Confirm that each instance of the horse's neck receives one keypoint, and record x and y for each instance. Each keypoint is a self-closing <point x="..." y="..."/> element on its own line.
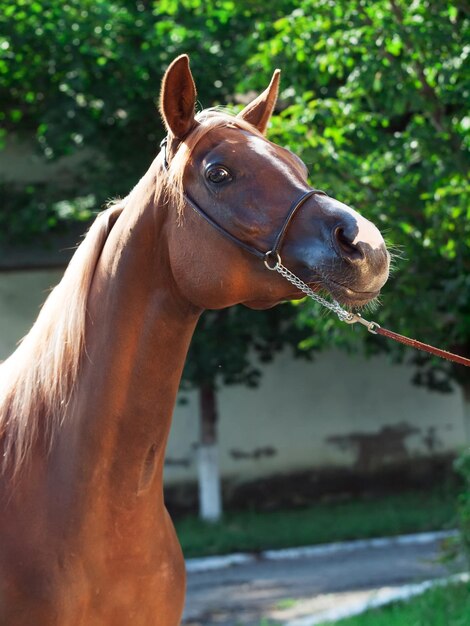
<point x="137" y="340"/>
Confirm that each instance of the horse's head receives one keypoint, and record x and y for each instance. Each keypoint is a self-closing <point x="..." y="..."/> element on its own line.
<point x="251" y="196"/>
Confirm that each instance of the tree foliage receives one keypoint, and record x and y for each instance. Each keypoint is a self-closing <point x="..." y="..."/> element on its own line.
<point x="377" y="98"/>
<point x="226" y="342"/>
<point x="82" y="77"/>
<point x="374" y="97"/>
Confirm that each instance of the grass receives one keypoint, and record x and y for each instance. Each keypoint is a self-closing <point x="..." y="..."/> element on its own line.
<point x="251" y="531"/>
<point x="441" y="606"/>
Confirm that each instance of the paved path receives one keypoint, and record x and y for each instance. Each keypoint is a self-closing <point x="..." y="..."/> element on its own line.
<point x="284" y="591"/>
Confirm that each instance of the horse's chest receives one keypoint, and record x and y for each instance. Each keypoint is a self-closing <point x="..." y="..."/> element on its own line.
<point x="114" y="570"/>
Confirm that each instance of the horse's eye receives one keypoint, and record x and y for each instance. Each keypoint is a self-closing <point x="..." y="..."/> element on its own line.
<point x="218" y="175"/>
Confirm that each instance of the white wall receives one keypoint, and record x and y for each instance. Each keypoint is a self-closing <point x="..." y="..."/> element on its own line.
<point x="300" y="405"/>
<point x="297" y="408"/>
<point x="21" y="295"/>
<point x="21" y="162"/>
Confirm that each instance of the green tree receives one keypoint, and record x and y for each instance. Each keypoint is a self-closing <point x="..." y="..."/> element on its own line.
<point x="81" y="78"/>
<point x="229" y="348"/>
<point x="377" y="104"/>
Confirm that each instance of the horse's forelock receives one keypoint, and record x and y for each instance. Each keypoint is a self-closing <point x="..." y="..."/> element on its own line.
<point x="208" y="120"/>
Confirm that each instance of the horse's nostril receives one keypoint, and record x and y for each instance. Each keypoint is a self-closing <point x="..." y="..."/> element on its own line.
<point x="346" y="247"/>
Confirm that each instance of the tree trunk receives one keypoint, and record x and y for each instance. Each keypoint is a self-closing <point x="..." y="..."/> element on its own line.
<point x="210" y="492"/>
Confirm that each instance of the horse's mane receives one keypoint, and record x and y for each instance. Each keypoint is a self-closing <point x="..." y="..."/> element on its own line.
<point x="37" y="381"/>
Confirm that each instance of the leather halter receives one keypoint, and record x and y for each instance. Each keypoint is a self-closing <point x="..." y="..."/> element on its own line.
<point x="271" y="255"/>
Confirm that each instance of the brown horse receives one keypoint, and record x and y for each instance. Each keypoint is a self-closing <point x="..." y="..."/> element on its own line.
<point x="87" y="399"/>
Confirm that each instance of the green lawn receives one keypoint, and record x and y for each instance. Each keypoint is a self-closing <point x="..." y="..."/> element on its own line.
<point x="441" y="606"/>
<point x="250" y="531"/>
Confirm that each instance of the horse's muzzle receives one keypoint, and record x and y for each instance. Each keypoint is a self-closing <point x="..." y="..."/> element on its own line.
<point x="342" y="252"/>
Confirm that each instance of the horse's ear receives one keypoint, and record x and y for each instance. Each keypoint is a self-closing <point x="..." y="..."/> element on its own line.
<point x="178" y="97"/>
<point x="260" y="110"/>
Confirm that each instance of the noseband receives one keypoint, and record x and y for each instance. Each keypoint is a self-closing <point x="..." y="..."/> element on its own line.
<point x="271" y="257"/>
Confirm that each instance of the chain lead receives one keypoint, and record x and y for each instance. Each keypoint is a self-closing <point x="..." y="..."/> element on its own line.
<point x="335" y="307"/>
<point x="344" y="316"/>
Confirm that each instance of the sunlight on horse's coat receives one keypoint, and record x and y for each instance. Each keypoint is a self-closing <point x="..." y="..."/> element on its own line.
<point x="87" y="399"/>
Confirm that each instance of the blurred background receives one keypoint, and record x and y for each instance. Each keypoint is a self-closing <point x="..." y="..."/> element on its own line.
<point x="297" y="413"/>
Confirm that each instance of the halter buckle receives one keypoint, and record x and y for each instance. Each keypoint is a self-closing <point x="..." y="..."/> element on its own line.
<point x="164" y="146"/>
<point x="270" y="256"/>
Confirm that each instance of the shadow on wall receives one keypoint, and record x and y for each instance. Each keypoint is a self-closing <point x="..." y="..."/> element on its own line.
<point x="388" y="445"/>
<point x="308" y="488"/>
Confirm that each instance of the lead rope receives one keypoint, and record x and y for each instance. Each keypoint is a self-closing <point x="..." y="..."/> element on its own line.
<point x="354" y="318"/>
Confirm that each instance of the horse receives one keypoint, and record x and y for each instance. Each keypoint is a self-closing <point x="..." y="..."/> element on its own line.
<point x="87" y="397"/>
